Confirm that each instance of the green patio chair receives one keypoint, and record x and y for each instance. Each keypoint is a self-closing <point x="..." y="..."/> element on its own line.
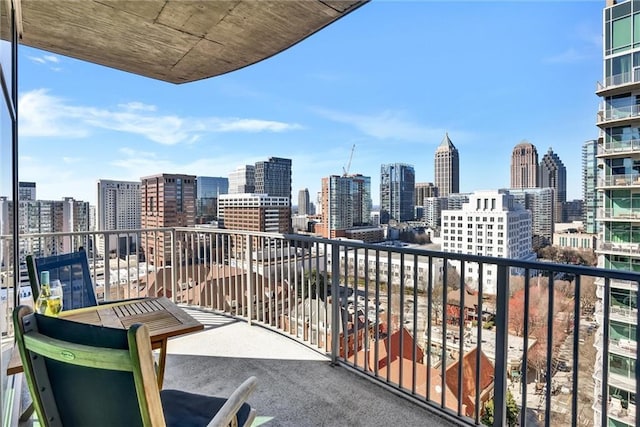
<point x="85" y="375"/>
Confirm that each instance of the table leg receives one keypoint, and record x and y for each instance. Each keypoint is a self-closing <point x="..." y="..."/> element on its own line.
<point x="162" y="362"/>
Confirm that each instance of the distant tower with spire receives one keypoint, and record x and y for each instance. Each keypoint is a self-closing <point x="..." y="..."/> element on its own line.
<point x="447" y="168"/>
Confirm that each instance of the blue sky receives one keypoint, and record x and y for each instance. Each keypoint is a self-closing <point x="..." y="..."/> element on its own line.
<point x="391" y="78"/>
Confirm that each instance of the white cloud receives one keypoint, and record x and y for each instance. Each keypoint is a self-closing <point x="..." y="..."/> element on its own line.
<point x="47" y="60"/>
<point x="253" y="125"/>
<point x="45" y="115"/>
<point x="137" y="106"/>
<point x="569" y="56"/>
<point x="386" y="125"/>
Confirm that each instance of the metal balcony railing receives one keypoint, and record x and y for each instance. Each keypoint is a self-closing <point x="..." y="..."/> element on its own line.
<point x="614" y="147"/>
<point x="619" y="79"/>
<point x="622" y="248"/>
<point x="607" y="113"/>
<point x="348" y="301"/>
<point x="621" y="180"/>
<point x="617" y="213"/>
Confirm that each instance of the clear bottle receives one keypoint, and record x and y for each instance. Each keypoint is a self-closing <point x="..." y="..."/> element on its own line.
<point x="45" y="293"/>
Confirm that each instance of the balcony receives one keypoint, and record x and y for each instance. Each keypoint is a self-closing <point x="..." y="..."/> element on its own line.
<point x="618" y="248"/>
<point x="618" y="148"/>
<point x="621" y="180"/>
<point x="328" y="319"/>
<point x="619" y="214"/>
<point x="609" y="116"/>
<point x="619" y="83"/>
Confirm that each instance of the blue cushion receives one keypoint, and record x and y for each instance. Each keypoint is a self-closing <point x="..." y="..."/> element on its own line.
<point x="182" y="409"/>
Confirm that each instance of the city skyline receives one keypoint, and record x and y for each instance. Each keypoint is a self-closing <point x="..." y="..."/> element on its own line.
<point x="358" y="82"/>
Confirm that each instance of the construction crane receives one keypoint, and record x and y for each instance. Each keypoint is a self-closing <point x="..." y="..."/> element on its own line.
<point x="345" y="171"/>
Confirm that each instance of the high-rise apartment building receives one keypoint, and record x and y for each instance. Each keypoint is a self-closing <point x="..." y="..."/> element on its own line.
<point x="447" y="168"/>
<point x="304" y="203"/>
<point x="424" y="190"/>
<point x="455" y="200"/>
<point x="346" y="203"/>
<point x="490" y="224"/>
<point x="242" y="180"/>
<point x="397" y="192"/>
<point x="541" y="203"/>
<point x="167" y="200"/>
<point x="118" y="208"/>
<point x="47" y="216"/>
<point x="591" y="201"/>
<point x="26" y="191"/>
<point x="619" y="218"/>
<point x="431" y="211"/>
<point x="208" y="188"/>
<point x="524" y="166"/>
<point x="553" y="174"/>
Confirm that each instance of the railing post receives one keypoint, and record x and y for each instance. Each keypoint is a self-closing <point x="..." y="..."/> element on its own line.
<point x="107" y="271"/>
<point x="335" y="301"/>
<point x="174" y="267"/>
<point x="250" y="278"/>
<point x="502" y="327"/>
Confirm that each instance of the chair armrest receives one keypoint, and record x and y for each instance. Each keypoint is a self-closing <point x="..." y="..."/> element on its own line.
<point x="228" y="411"/>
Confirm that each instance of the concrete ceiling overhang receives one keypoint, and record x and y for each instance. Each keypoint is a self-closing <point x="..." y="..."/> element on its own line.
<point x="176" y="41"/>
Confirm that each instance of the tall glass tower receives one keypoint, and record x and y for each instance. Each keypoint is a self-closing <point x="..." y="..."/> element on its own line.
<point x="397" y="192"/>
<point x="619" y="185"/>
<point x="589" y="184"/>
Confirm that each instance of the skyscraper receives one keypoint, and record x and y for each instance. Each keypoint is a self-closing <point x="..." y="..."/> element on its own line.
<point x="26" y="191"/>
<point x="167" y="200"/>
<point x="273" y="177"/>
<point x="118" y="208"/>
<point x="337" y="206"/>
<point x="346" y="203"/>
<point x="447" y="168"/>
<point x="541" y="203"/>
<point x="424" y="190"/>
<point x="589" y="184"/>
<point x="552" y="173"/>
<point x="208" y="188"/>
<point x="524" y="166"/>
<point x="397" y="192"/>
<point x="619" y="219"/>
<point x="242" y="180"/>
<point x="303" y="202"/>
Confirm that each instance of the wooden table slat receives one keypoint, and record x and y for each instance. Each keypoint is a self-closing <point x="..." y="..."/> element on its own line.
<point x="163" y="318"/>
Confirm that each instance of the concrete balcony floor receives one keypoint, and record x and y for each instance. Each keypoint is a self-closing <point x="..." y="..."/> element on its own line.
<point x="296" y="385"/>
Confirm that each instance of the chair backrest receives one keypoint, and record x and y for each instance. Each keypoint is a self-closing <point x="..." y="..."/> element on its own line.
<point x="72" y="269"/>
<point x="85" y="375"/>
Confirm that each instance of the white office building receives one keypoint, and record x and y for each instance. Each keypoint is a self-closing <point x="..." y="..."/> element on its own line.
<point x="490" y="224"/>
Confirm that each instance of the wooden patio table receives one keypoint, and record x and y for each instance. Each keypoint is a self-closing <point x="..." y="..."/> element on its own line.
<point x="163" y="318"/>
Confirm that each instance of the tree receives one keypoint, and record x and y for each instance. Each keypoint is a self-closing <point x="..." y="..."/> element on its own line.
<point x="313" y="285"/>
<point x="512" y="412"/>
<point x="516" y="313"/>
